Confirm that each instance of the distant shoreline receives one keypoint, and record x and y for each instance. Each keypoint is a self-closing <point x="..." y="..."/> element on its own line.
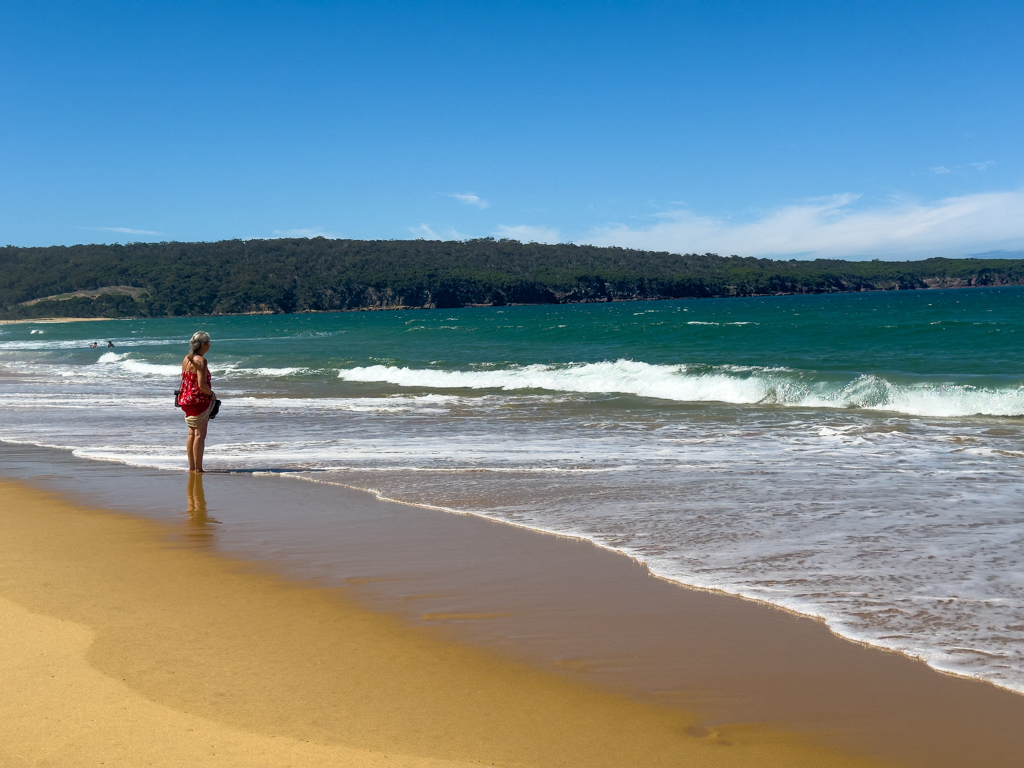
<point x="60" y="320"/>
<point x="408" y="308"/>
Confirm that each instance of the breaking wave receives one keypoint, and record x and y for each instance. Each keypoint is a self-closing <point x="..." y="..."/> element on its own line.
<point x="724" y="384"/>
<point x="124" y="362"/>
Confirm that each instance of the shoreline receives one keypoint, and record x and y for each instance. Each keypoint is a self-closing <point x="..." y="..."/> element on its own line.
<point x="638" y="560"/>
<point x="46" y="320"/>
<point x="564" y="607"/>
<point x="610" y="300"/>
<point x="675" y="582"/>
<point x="182" y="639"/>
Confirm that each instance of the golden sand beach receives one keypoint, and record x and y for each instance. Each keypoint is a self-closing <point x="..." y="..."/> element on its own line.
<point x="121" y="647"/>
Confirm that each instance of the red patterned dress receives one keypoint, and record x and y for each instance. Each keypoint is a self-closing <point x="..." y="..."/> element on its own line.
<point x="193" y="401"/>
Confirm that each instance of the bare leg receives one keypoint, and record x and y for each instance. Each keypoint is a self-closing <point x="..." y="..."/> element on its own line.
<point x="190" y="448"/>
<point x="199" y="445"/>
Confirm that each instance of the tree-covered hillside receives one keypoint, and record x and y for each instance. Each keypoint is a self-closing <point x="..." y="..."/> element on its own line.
<point x="236" y="276"/>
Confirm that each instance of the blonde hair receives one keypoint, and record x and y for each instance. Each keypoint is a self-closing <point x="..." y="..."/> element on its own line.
<point x="198" y="339"/>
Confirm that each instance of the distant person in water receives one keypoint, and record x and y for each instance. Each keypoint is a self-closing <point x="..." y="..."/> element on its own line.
<point x="93" y="345"/>
<point x="110" y="345"/>
<point x="197" y="398"/>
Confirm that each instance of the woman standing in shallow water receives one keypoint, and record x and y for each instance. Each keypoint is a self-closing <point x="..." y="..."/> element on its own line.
<point x="197" y="398"/>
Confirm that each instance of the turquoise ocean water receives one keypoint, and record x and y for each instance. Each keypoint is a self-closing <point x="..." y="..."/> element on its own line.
<point x="857" y="457"/>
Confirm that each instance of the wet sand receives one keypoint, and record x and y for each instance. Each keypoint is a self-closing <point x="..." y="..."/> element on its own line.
<point x="581" y="615"/>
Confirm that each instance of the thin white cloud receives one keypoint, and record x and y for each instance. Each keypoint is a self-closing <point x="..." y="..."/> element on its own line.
<point x="126" y="230"/>
<point x="834" y="228"/>
<point x="304" y="232"/>
<point x="424" y="232"/>
<point x="958" y="169"/>
<point x="524" y="233"/>
<point x="470" y="199"/>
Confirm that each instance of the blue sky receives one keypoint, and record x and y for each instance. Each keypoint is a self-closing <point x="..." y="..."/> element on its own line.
<point x="865" y="130"/>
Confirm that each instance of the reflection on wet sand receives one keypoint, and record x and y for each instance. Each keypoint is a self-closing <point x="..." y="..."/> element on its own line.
<point x="198" y="531"/>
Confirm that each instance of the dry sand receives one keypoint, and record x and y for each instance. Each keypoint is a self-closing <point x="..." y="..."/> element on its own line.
<point x="120" y="647"/>
<point x="58" y="710"/>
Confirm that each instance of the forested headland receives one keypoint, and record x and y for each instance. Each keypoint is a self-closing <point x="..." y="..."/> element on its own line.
<point x="320" y="275"/>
